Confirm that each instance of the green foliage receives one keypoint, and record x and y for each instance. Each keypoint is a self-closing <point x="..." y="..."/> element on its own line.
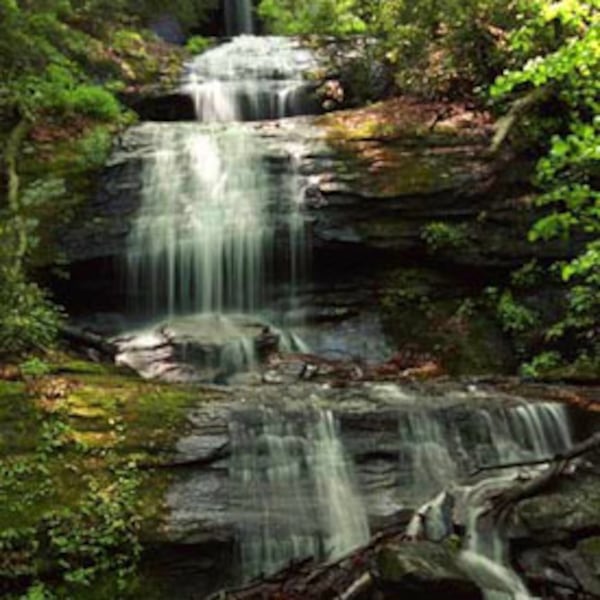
<point x="557" y="51"/>
<point x="529" y="275"/>
<point x="97" y="534"/>
<point x="514" y="317"/>
<point x="198" y="44"/>
<point x="541" y="364"/>
<point x="101" y="534"/>
<point x="38" y="591"/>
<point x="438" y="47"/>
<point x="439" y="235"/>
<point x="29" y="321"/>
<point x="335" y="17"/>
<point x="94" y="148"/>
<point x="34" y="367"/>
<point x="60" y="91"/>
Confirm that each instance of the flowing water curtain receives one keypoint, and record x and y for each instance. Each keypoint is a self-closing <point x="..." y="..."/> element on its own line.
<point x="293" y="494"/>
<point x="438" y="447"/>
<point x="445" y="447"/>
<point x="251" y="79"/>
<point x="203" y="234"/>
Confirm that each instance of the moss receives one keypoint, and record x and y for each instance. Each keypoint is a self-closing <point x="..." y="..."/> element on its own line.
<point x="50" y="448"/>
<point x="590" y="547"/>
<point x="19" y="419"/>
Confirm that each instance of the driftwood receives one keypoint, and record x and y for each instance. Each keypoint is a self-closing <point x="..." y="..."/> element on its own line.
<point x="520" y="491"/>
<point x="519" y="108"/>
<point x="343" y="579"/>
<point x="586" y="446"/>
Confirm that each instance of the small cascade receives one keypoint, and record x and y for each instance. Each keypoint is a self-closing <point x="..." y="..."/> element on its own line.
<point x="250" y="79"/>
<point x="447" y="451"/>
<point x="293" y="489"/>
<point x="442" y="446"/>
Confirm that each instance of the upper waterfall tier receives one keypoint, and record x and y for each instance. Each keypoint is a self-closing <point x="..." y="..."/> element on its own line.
<point x="250" y="79"/>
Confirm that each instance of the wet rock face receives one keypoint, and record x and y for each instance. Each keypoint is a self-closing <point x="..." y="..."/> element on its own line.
<point x="556" y="538"/>
<point x="197" y="348"/>
<point x="572" y="510"/>
<point x="405" y="444"/>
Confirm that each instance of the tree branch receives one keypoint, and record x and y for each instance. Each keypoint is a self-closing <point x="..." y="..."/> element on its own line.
<point x="539" y="483"/>
<point x="588" y="445"/>
<point x="523" y="105"/>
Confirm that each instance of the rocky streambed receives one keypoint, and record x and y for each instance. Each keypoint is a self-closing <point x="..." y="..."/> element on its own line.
<point x="247" y="489"/>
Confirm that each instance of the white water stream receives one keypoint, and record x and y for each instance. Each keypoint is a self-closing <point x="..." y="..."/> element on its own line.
<point x="238" y="17"/>
<point x="521" y="433"/>
<point x="294" y="490"/>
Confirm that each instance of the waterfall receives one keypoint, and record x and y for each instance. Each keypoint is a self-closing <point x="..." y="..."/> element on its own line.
<point x="203" y="234"/>
<point x="204" y="237"/>
<point x="294" y="494"/>
<point x="238" y="17"/>
<point x="441" y="446"/>
<point x="250" y="79"/>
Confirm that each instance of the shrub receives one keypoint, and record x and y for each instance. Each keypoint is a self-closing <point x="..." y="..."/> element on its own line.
<point x="541" y="364"/>
<point x="28" y="319"/>
<point x="198" y="44"/>
<point x="34" y="367"/>
<point x="515" y="317"/>
<point x="94" y="148"/>
<point x="443" y="236"/>
<point x="93" y="101"/>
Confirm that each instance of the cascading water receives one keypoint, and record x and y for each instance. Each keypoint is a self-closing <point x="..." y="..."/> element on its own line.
<point x="438" y="447"/>
<point x="294" y="494"/>
<point x="210" y="234"/>
<point x="250" y="79"/>
<point x="204" y="233"/>
<point x="446" y="453"/>
<point x="201" y="239"/>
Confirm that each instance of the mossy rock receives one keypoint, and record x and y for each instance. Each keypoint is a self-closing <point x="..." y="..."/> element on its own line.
<point x="110" y="421"/>
<point x="563" y="514"/>
<point x="420" y="570"/>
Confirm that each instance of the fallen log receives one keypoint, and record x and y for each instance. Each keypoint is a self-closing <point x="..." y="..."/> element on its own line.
<point x="343" y="579"/>
<point x="85" y="341"/>
<point x="584" y="447"/>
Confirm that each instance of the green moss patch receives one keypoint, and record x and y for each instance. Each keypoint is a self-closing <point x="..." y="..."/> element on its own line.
<point x="76" y="491"/>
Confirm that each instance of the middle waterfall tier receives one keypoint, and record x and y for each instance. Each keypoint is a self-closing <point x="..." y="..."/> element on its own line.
<point x="211" y="210"/>
<point x="294" y="494"/>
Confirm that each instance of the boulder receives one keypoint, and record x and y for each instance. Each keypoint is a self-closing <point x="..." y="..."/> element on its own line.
<point x="422" y="570"/>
